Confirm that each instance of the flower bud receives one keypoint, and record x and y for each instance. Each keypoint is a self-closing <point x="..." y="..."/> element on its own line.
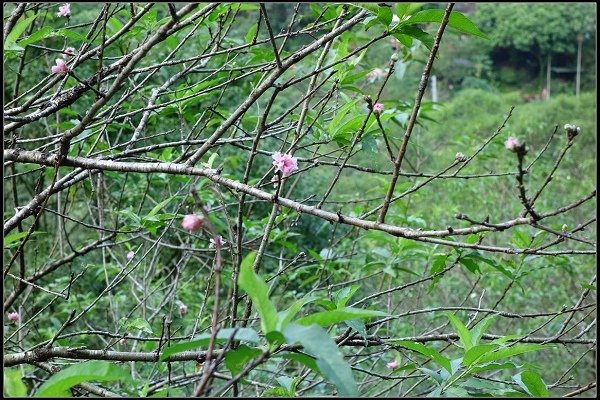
<point x="460" y="157"/>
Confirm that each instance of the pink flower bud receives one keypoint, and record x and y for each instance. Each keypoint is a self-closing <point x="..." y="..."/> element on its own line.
<point x="392" y="365"/>
<point x="378" y="108"/>
<point x="512" y="143"/>
<point x="192" y="222"/>
<point x="60" y="67"/>
<point x="130" y="255"/>
<point x="13" y="316"/>
<point x="70" y="51"/>
<point x="64" y="10"/>
<point x="285" y="163"/>
<point x="183" y="308"/>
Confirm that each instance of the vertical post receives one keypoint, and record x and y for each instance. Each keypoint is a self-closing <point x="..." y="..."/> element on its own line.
<point x="434" y="93"/>
<point x="578" y="77"/>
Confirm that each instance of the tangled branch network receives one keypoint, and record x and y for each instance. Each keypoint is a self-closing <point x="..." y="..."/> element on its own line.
<point x="149" y="148"/>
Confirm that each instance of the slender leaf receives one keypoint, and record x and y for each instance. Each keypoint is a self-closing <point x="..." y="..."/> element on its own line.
<point x="513" y="351"/>
<point x="461" y="329"/>
<point x="427" y="351"/>
<point x="456" y="20"/>
<point x="330" y="360"/>
<point x="325" y="318"/>
<point x="243" y="334"/>
<point x="258" y="291"/>
<point x="532" y="383"/>
<point x="89" y="371"/>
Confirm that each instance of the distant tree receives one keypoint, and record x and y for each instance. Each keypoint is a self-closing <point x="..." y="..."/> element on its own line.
<point x="543" y="31"/>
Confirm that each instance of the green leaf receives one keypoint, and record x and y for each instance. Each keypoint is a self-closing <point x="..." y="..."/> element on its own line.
<point x="17" y="31"/>
<point x="258" y="291"/>
<point x="330" y="360"/>
<point x="71" y="34"/>
<point x="42" y="33"/>
<point x="457" y="21"/>
<point x="13" y="384"/>
<point x="325" y="318"/>
<point x="477" y="351"/>
<point x="17" y="236"/>
<point x="480" y="328"/>
<point x="513" y="351"/>
<point x="413" y="32"/>
<point x="401" y="9"/>
<point x="159" y="206"/>
<point x="470" y="264"/>
<point x="384" y="15"/>
<point x="461" y="329"/>
<point x="139" y="324"/>
<point x="420" y="348"/>
<point x="475" y="255"/>
<point x="532" y="383"/>
<point x="343" y="295"/>
<point x="438" y="266"/>
<point x="223" y="336"/>
<point x="308" y="361"/>
<point x="359" y="326"/>
<point x="236" y="359"/>
<point x="286" y="316"/>
<point x="89" y="371"/>
<point x="341" y="113"/>
<point x="493" y="367"/>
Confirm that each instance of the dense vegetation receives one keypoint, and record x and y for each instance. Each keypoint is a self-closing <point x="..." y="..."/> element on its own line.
<point x="155" y="243"/>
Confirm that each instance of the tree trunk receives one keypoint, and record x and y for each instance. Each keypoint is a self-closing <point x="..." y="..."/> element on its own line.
<point x="548" y="72"/>
<point x="578" y="78"/>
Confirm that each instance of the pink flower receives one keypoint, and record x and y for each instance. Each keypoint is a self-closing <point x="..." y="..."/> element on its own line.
<point x="13" y="316"/>
<point x="285" y="163"/>
<point x="192" y="222"/>
<point x="64" y="10"/>
<point x="392" y="365"/>
<point x="512" y="143"/>
<point x="60" y="67"/>
<point x="220" y="241"/>
<point x="70" y="51"/>
<point x="130" y="255"/>
<point x="378" y="108"/>
<point x="183" y="308"/>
